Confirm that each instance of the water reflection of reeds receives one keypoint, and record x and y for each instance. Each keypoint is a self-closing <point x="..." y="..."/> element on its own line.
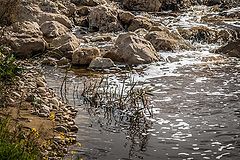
<point x="123" y="107"/>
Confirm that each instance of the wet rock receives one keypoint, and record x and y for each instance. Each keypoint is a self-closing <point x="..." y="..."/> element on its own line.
<point x="101" y="38"/>
<point x="101" y="63"/>
<point x="84" y="56"/>
<point x="140" y="22"/>
<point x="232" y="49"/>
<point x="199" y="34"/>
<point x="61" y="129"/>
<point x="103" y="19"/>
<point x="74" y="128"/>
<point x="176" y="5"/>
<point x="125" y="17"/>
<point x="24" y="38"/>
<point x="131" y="49"/>
<point x="164" y="40"/>
<point x="53" y="29"/>
<point x="206" y="34"/>
<point x="88" y="2"/>
<point x="143" y="5"/>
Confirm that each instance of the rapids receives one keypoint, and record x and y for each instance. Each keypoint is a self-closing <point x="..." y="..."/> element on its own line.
<point x="196" y="104"/>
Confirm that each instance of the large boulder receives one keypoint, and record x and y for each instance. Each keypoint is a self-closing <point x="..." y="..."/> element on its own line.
<point x="143" y="5"/>
<point x="24" y="38"/>
<point x="60" y="39"/>
<point x="140" y="22"/>
<point x="84" y="56"/>
<point x="131" y="49"/>
<point x="125" y="17"/>
<point x="103" y="19"/>
<point x="34" y="11"/>
<point x="165" y="40"/>
<point x="64" y="45"/>
<point x="53" y="29"/>
<point x="232" y="49"/>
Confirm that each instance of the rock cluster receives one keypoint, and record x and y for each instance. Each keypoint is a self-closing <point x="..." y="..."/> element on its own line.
<point x="32" y="89"/>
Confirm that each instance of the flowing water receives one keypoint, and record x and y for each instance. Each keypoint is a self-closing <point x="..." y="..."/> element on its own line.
<point x="196" y="106"/>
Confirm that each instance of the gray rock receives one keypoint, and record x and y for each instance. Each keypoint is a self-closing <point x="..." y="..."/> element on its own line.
<point x="132" y="49"/>
<point x="61" y="129"/>
<point x="74" y="128"/>
<point x="101" y="63"/>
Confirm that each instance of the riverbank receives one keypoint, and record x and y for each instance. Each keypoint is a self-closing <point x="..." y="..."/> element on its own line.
<point x="27" y="101"/>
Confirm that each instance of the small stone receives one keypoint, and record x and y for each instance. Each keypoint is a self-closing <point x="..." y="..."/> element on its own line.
<point x="71" y="123"/>
<point x="16" y="94"/>
<point x="30" y="98"/>
<point x="61" y="129"/>
<point x="74" y="128"/>
<point x="101" y="63"/>
<point x="63" y="61"/>
<point x="43" y="115"/>
<point x="49" y="61"/>
<point x="11" y="100"/>
<point x="45" y="109"/>
<point x="42" y="90"/>
<point x="40" y="83"/>
<point x="54" y="101"/>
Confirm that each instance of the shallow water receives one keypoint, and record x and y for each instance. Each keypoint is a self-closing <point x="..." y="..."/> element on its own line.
<point x="196" y="106"/>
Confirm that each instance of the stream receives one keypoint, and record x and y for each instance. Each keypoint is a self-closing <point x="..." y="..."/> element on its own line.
<point x="196" y="105"/>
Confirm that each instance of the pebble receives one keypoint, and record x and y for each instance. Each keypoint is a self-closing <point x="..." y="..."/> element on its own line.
<point x="43" y="115"/>
<point x="40" y="83"/>
<point x="42" y="90"/>
<point x="74" y="128"/>
<point x="55" y="102"/>
<point x="61" y="129"/>
<point x="16" y="94"/>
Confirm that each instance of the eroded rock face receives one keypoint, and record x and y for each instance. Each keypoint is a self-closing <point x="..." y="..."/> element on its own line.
<point x="103" y="19"/>
<point x="143" y="5"/>
<point x="164" y="40"/>
<point x="84" y="56"/>
<point x="24" y="38"/>
<point x="131" y="49"/>
<point x="232" y="49"/>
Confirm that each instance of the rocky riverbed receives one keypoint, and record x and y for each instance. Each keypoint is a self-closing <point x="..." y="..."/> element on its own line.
<point x="166" y="42"/>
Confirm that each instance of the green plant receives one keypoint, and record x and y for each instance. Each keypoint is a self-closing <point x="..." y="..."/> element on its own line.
<point x="9" y="69"/>
<point x="16" y="144"/>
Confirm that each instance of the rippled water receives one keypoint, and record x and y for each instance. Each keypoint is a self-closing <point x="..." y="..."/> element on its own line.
<point x="196" y="108"/>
